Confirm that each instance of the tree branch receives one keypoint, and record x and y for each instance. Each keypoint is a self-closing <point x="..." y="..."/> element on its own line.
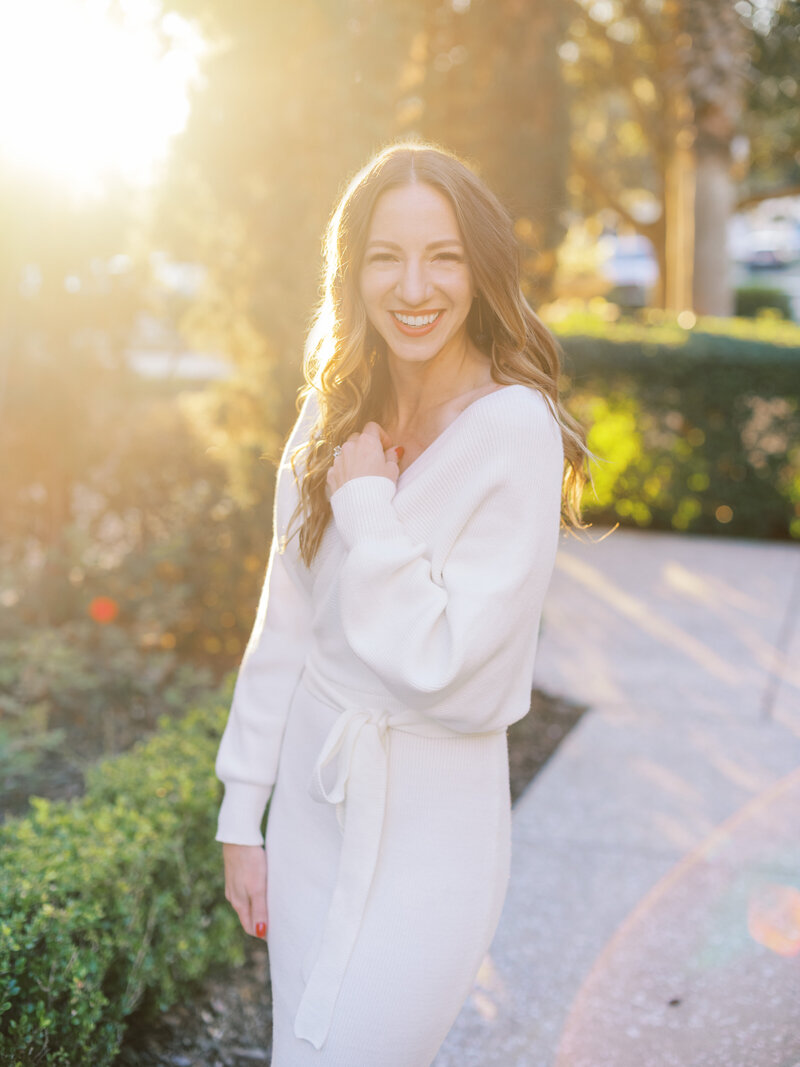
<point x="608" y="197"/>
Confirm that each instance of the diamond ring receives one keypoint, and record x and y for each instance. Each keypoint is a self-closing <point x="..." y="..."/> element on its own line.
<point x="336" y="450"/>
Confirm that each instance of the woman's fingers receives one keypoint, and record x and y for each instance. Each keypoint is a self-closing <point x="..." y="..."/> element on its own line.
<point x="258" y="903"/>
<point x="246" y="886"/>
<point x="259" y="916"/>
<point x="370" y="452"/>
<point x="256" y="889"/>
<point x="376" y="429"/>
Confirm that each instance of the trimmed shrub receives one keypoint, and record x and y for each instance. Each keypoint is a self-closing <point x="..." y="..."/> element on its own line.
<point x="752" y="299"/>
<point x="114" y="901"/>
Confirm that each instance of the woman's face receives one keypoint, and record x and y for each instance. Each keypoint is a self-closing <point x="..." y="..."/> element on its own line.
<point x="415" y="281"/>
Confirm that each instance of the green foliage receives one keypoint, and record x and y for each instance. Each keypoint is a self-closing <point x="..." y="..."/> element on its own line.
<point x="72" y="694"/>
<point x="753" y="299"/>
<point x="146" y="596"/>
<point x="250" y="200"/>
<point x="697" y="432"/>
<point x="771" y="121"/>
<point x="599" y="318"/>
<point x="114" y="901"/>
<point x="151" y="526"/>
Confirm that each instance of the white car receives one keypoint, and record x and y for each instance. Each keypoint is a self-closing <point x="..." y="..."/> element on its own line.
<point x="768" y="248"/>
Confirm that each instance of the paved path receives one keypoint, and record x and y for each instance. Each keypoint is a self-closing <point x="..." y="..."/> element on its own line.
<point x="653" y="914"/>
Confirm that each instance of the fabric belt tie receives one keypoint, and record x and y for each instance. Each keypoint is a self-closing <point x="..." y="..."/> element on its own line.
<point x="358" y="743"/>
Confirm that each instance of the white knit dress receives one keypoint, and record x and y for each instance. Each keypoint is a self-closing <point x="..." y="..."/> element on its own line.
<point x="371" y="710"/>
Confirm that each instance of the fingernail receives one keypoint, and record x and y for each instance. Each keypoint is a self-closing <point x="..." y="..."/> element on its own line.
<point x="261" y="929"/>
<point x="399" y="450"/>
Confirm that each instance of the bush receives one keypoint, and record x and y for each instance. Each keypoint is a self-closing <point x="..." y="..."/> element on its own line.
<point x="752" y="299"/>
<point x="152" y="535"/>
<point x="140" y="602"/>
<point x="598" y="318"/>
<point x="114" y="901"/>
<point x="72" y="694"/>
<point x="699" y="430"/>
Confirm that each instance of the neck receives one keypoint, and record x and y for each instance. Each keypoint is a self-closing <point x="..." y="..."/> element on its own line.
<point x="418" y="389"/>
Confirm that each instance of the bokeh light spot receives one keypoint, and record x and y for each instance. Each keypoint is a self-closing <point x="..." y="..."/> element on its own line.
<point x="773" y="918"/>
<point x="723" y="513"/>
<point x="103" y="609"/>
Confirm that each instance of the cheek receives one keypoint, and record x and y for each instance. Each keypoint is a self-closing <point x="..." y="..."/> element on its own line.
<point x="458" y="283"/>
<point x="370" y="290"/>
<point x="464" y="293"/>
<point x="469" y="285"/>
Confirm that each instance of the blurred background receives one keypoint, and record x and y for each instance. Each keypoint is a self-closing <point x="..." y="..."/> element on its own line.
<point x="166" y="173"/>
<point x="167" y="169"/>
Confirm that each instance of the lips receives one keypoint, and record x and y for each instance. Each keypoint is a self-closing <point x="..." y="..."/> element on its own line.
<point x="416" y="325"/>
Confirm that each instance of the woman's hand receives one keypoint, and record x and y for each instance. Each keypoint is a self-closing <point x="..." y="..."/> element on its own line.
<point x="370" y="452"/>
<point x="246" y="886"/>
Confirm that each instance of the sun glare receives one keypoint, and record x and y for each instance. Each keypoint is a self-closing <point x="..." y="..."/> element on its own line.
<point x="90" y="90"/>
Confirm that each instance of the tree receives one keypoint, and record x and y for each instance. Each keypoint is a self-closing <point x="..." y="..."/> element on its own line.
<point x="297" y="97"/>
<point x="716" y="65"/>
<point x="772" y="117"/>
<point x="658" y="98"/>
<point x="64" y="320"/>
<point x="485" y="79"/>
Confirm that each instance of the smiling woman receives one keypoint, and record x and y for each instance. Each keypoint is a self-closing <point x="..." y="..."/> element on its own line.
<point x="84" y="95"/>
<point x="394" y="642"/>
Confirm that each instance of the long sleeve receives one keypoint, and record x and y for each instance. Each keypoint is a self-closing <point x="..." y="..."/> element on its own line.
<point x="247" y="759"/>
<point x="428" y="639"/>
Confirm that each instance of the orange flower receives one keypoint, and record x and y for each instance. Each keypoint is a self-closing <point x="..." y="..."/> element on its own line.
<point x="103" y="609"/>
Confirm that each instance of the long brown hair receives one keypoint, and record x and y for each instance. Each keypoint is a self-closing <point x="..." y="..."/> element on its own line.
<point x="344" y="359"/>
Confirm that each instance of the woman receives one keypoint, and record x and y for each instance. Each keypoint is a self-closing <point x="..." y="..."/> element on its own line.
<point x="395" y="639"/>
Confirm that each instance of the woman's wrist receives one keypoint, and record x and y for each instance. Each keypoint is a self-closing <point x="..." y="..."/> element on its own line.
<point x="362" y="508"/>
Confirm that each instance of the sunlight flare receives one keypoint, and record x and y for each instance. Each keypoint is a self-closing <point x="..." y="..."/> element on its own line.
<point x="92" y="90"/>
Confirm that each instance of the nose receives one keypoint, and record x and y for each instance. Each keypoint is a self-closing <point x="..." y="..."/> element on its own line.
<point x="413" y="286"/>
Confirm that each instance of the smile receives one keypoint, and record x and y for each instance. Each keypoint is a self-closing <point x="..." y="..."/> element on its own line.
<point x="416" y="323"/>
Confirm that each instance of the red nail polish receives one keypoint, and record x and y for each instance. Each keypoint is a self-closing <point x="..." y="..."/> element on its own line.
<point x="399" y="450"/>
<point x="261" y="929"/>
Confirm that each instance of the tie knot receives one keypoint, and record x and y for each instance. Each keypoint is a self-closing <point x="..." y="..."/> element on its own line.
<point x="347" y="735"/>
<point x="380" y="719"/>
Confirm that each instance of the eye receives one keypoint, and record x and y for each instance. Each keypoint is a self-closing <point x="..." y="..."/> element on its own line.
<point x="378" y="257"/>
<point x="454" y="257"/>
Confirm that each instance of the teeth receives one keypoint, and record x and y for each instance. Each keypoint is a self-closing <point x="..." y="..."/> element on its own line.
<point x="416" y="320"/>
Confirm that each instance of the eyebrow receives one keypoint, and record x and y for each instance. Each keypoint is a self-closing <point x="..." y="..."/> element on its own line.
<point x="433" y="244"/>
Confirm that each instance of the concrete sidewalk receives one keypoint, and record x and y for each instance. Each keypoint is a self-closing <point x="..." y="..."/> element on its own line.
<point x="653" y="914"/>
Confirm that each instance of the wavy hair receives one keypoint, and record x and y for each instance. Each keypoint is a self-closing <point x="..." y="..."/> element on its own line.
<point x="345" y="357"/>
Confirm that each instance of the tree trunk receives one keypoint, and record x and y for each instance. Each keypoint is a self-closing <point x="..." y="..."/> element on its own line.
<point x="679" y="203"/>
<point x="714" y="200"/>
<point x="503" y="104"/>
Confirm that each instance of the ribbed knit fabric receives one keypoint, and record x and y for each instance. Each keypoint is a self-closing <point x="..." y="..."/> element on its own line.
<point x="373" y="698"/>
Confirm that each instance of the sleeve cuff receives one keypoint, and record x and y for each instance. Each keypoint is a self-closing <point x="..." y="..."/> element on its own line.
<point x="241" y="812"/>
<point x="362" y="507"/>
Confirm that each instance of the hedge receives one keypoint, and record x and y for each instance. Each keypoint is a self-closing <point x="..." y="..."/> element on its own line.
<point x="752" y="300"/>
<point x="696" y="430"/>
<point x="114" y="901"/>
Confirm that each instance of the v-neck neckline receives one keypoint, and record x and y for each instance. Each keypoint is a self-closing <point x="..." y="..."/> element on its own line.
<point x="427" y="451"/>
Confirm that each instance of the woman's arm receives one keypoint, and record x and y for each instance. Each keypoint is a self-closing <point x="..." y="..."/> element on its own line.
<point x="247" y="760"/>
<point x="272" y="663"/>
<point x="425" y="639"/>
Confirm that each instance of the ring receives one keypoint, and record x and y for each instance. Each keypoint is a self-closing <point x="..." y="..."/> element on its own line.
<point x="336" y="450"/>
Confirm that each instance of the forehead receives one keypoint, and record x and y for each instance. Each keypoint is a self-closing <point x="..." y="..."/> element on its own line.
<point x="413" y="211"/>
